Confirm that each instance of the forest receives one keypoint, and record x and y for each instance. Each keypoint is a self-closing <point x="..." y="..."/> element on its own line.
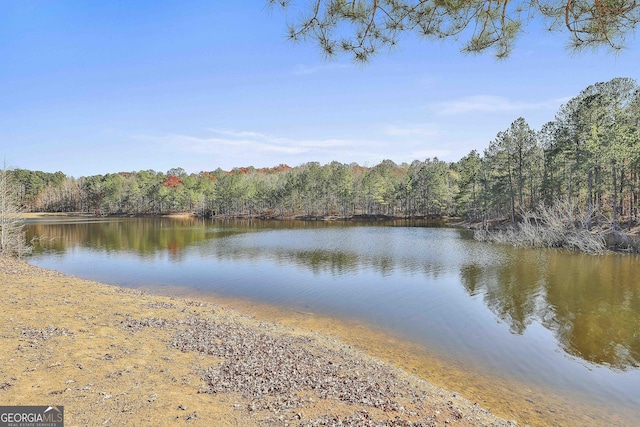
<point x="587" y="158"/>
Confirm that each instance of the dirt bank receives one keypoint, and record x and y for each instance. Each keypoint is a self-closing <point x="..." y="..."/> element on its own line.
<point x="113" y="356"/>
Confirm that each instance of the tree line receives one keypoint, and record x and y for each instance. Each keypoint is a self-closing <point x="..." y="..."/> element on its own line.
<point x="588" y="157"/>
<point x="423" y="188"/>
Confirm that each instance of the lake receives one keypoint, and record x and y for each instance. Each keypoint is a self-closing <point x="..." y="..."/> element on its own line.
<point x="561" y="322"/>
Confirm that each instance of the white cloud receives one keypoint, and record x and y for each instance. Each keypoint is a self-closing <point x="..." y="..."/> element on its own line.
<point x="249" y="135"/>
<point x="427" y="131"/>
<point x="193" y="143"/>
<point x="303" y="70"/>
<point x="234" y="143"/>
<point x="331" y="143"/>
<point x="266" y="148"/>
<point x="228" y="148"/>
<point x="489" y="103"/>
<point x="265" y="142"/>
<point x="427" y="81"/>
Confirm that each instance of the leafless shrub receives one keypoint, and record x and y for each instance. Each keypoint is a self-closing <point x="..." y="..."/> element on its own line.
<point x="554" y="226"/>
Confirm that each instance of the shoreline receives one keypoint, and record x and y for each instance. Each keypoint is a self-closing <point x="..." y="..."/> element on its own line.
<point x="108" y="353"/>
<point x="501" y="231"/>
<point x="185" y="215"/>
<point x="117" y="356"/>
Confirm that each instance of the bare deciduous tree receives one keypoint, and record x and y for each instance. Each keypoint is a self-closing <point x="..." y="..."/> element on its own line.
<point x="12" y="234"/>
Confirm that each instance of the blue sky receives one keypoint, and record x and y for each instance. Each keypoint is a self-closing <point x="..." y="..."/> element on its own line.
<point x="98" y="87"/>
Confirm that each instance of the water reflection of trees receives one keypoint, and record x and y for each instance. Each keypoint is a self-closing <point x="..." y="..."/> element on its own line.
<point x="142" y="236"/>
<point x="147" y="236"/>
<point x="601" y="298"/>
<point x="591" y="304"/>
<point x="335" y="262"/>
<point x="510" y="290"/>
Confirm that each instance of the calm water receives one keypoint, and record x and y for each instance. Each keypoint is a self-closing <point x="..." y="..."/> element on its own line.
<point x="563" y="321"/>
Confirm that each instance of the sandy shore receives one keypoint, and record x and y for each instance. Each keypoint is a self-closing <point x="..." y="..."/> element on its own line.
<point x="114" y="356"/>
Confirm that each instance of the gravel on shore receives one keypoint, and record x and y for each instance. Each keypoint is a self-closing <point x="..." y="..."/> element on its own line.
<point x="115" y="356"/>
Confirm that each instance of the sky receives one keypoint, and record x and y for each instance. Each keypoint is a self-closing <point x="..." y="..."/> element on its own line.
<point x="92" y="88"/>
